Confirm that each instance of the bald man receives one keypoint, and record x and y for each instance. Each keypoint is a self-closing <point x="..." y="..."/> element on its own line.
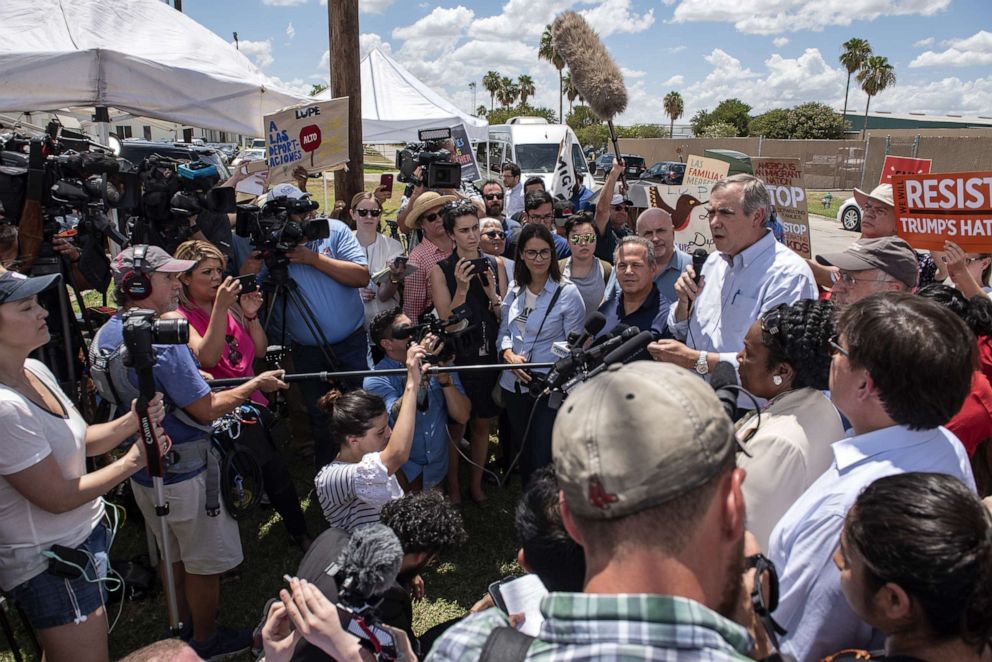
<point x="655" y="225"/>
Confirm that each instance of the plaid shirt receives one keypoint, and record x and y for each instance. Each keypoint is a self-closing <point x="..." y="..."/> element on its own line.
<point x="616" y="628"/>
<point x="417" y="296"/>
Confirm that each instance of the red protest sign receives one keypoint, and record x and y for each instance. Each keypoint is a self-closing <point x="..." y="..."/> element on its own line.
<point x="903" y="165"/>
<point x="932" y="208"/>
<point x="310" y="139"/>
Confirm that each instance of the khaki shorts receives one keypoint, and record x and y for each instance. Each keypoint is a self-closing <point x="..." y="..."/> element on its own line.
<point x="206" y="545"/>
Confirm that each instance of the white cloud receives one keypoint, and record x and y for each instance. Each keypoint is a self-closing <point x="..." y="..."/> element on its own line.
<point x="366" y="42"/>
<point x="290" y="31"/>
<point x="970" y="51"/>
<point x="632" y="73"/>
<point x="938" y="97"/>
<point x="518" y="19"/>
<point x="674" y="81"/>
<point x="777" y="16"/>
<point x="614" y="17"/>
<point x="780" y="41"/>
<point x="436" y="32"/>
<point x="373" y="6"/>
<point x="924" y="43"/>
<point x="283" y="3"/>
<point x="259" y="51"/>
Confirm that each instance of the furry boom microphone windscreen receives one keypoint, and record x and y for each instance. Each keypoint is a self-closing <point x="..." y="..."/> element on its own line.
<point x="595" y="75"/>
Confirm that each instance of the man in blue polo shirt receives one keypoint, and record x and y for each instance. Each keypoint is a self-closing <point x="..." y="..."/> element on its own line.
<point x="656" y="226"/>
<point x="446" y="398"/>
<point x="637" y="301"/>
<point x="327" y="274"/>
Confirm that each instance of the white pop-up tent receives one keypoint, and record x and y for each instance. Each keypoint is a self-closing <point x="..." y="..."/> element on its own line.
<point x="139" y="56"/>
<point x="395" y="104"/>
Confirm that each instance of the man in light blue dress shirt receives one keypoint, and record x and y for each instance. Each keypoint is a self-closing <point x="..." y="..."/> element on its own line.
<point x="890" y="351"/>
<point x="748" y="274"/>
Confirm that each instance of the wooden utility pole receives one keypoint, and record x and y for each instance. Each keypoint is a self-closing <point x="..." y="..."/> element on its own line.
<point x="346" y="81"/>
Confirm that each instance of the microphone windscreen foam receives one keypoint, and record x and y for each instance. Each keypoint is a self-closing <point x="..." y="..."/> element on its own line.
<point x="595" y="75"/>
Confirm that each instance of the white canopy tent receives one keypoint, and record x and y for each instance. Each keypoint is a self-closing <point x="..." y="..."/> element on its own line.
<point x="139" y="56"/>
<point x="395" y="104"/>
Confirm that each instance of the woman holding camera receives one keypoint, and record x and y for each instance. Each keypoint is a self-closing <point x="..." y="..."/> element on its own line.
<point x="915" y="562"/>
<point x="53" y="533"/>
<point x="540" y="309"/>
<point x="226" y="335"/>
<point x="361" y="480"/>
<point x="472" y="280"/>
<point x="381" y="252"/>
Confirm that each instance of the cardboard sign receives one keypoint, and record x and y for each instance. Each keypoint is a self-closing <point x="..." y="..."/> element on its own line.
<point x="703" y="171"/>
<point x="784" y="179"/>
<point x="687" y="206"/>
<point x="314" y="136"/>
<point x="903" y="165"/>
<point x="932" y="208"/>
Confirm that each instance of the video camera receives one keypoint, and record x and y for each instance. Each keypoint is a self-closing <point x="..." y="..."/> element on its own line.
<point x="451" y="333"/>
<point x="270" y="228"/>
<point x="431" y="155"/>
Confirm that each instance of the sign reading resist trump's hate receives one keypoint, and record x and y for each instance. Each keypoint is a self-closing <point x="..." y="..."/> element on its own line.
<point x="933" y="208"/>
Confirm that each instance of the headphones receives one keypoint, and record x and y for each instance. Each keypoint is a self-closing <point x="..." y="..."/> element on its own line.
<point x="137" y="285"/>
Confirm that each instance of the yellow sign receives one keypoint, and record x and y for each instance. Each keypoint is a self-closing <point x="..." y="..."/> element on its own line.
<point x="314" y="136"/>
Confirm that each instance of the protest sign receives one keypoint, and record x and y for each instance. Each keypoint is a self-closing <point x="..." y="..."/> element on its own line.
<point x="314" y="136"/>
<point x="784" y="179"/>
<point x="932" y="208"/>
<point x="462" y="154"/>
<point x="563" y="178"/>
<point x="701" y="170"/>
<point x="687" y="207"/>
<point x="903" y="165"/>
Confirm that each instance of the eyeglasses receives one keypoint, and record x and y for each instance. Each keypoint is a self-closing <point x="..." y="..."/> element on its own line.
<point x="849" y="278"/>
<point x="764" y="594"/>
<point x="365" y="212"/>
<point x="233" y="355"/>
<point x="835" y="345"/>
<point x="431" y="217"/>
<point x="539" y="218"/>
<point x="494" y="234"/>
<point x="579" y="239"/>
<point x="493" y="196"/>
<point x="543" y="254"/>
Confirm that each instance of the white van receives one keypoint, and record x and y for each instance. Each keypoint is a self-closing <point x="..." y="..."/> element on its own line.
<point x="532" y="144"/>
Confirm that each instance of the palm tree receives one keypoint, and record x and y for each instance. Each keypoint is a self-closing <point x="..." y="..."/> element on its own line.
<point x="491" y="82"/>
<point x="481" y="111"/>
<point x="508" y="92"/>
<point x="526" y="85"/>
<point x="674" y="107"/>
<point x="571" y="93"/>
<point x="856" y="51"/>
<point x="546" y="51"/>
<point x="876" y="75"/>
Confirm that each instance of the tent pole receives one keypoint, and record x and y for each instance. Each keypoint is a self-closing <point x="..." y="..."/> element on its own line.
<point x="102" y="118"/>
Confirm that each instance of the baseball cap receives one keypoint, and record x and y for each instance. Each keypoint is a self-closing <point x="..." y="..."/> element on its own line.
<point x="636" y="436"/>
<point x="881" y="193"/>
<point x="618" y="199"/>
<point x="156" y="259"/>
<point x="16" y="286"/>
<point x="889" y="254"/>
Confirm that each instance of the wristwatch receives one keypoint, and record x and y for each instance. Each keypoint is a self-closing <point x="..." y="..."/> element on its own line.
<point x="702" y="366"/>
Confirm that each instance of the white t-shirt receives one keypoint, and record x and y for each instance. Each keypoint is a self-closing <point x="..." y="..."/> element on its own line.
<point x="352" y="493"/>
<point x="379" y="253"/>
<point x="30" y="434"/>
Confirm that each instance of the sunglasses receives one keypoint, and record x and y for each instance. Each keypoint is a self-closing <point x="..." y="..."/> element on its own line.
<point x="233" y="355"/>
<point x="764" y="594"/>
<point x="771" y="322"/>
<point x="494" y="234"/>
<point x="431" y="217"/>
<point x="579" y="239"/>
<point x="365" y="212"/>
<point x="835" y="345"/>
<point x="493" y="196"/>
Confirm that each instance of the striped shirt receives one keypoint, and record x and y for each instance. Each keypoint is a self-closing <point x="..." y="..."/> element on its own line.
<point x="616" y="628"/>
<point x="352" y="493"/>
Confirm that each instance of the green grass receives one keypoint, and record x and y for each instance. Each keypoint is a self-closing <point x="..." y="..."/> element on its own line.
<point x="815" y="202"/>
<point x="453" y="583"/>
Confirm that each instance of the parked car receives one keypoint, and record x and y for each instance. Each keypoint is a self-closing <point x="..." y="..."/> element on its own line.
<point x="665" y="172"/>
<point x="250" y="154"/>
<point x="849" y="215"/>
<point x="634" y="165"/>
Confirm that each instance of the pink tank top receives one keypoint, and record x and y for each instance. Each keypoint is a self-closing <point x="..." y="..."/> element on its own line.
<point x="239" y="350"/>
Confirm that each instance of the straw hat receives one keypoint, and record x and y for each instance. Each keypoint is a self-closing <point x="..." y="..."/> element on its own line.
<point x="426" y="201"/>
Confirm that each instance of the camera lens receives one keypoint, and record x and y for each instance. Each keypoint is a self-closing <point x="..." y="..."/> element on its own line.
<point x="170" y="332"/>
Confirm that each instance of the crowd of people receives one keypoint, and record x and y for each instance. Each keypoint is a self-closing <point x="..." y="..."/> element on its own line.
<point x="830" y="505"/>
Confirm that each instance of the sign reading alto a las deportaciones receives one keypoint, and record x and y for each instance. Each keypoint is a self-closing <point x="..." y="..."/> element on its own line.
<point x="933" y="208"/>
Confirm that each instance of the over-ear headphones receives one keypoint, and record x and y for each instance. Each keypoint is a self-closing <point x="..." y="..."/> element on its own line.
<point x="137" y="285"/>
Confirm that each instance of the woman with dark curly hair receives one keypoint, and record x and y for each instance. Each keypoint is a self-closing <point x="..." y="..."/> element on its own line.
<point x="786" y="360"/>
<point x="915" y="561"/>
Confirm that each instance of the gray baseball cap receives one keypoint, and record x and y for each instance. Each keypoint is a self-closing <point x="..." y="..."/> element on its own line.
<point x="637" y="436"/>
<point x="156" y="259"/>
<point x="889" y="254"/>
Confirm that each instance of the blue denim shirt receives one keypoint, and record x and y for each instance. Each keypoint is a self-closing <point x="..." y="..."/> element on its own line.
<point x="568" y="316"/>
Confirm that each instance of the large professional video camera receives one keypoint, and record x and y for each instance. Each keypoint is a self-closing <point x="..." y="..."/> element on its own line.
<point x="84" y="187"/>
<point x="451" y="333"/>
<point x="434" y="159"/>
<point x="271" y="228"/>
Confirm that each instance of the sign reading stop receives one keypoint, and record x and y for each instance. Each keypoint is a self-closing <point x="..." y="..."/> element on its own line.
<point x="310" y="139"/>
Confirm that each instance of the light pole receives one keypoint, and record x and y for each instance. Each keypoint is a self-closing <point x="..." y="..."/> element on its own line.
<point x="236" y="44"/>
<point x="471" y="86"/>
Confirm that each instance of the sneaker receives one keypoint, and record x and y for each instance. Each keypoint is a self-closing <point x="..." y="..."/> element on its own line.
<point x="226" y="642"/>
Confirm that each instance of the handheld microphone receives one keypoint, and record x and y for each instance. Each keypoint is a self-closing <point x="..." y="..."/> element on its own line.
<point x="610" y="344"/>
<point x="368" y="565"/>
<point x="595" y="322"/>
<point x="629" y="348"/>
<point x="698" y="260"/>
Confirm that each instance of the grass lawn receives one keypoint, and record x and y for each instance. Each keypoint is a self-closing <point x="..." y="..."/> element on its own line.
<point x="815" y="202"/>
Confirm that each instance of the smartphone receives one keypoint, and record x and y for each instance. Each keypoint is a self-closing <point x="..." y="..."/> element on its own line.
<point x="249" y="283"/>
<point x="401" y="260"/>
<point x="373" y="637"/>
<point x="386" y="180"/>
<point x="68" y="563"/>
<point x="480" y="265"/>
<point x="495" y="593"/>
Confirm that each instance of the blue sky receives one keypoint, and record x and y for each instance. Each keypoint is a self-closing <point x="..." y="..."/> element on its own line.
<point x="768" y="53"/>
